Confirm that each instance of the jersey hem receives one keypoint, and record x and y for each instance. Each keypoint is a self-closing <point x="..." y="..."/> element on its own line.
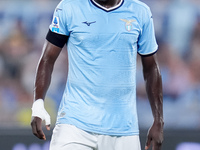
<point x="103" y="132"/>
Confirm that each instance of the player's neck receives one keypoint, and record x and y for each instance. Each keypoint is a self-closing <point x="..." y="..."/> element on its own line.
<point x="108" y="3"/>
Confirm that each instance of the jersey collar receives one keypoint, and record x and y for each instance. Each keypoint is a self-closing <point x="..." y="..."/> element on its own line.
<point x="108" y="9"/>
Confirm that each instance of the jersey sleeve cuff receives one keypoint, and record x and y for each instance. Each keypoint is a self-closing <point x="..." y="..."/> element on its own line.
<point x="146" y="55"/>
<point x="149" y="54"/>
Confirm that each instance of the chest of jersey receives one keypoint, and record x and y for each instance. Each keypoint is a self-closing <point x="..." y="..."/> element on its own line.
<point x="95" y="28"/>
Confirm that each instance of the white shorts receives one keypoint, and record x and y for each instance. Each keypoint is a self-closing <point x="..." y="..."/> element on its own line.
<point x="69" y="137"/>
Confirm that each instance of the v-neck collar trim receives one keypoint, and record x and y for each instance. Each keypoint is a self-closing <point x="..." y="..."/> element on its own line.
<point x="107" y="9"/>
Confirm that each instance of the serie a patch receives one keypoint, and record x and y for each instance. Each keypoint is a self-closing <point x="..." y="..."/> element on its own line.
<point x="55" y="24"/>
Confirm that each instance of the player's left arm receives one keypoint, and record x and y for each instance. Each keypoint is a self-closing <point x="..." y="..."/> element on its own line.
<point x="153" y="84"/>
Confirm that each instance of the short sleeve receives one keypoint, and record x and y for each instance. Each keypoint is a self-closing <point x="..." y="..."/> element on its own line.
<point x="147" y="44"/>
<point x="59" y="21"/>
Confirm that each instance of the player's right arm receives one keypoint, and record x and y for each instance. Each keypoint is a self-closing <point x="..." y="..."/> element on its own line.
<point x="57" y="37"/>
<point x="42" y="82"/>
<point x="51" y="50"/>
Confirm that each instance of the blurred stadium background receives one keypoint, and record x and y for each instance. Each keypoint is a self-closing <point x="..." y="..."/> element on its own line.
<point x="24" y="24"/>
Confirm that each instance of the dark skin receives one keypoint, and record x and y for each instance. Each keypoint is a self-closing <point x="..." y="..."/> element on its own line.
<point x="108" y="3"/>
<point x="153" y="84"/>
<point x="152" y="79"/>
<point x="42" y="82"/>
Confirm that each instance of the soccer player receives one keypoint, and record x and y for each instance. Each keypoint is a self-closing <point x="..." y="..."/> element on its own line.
<point x="98" y="107"/>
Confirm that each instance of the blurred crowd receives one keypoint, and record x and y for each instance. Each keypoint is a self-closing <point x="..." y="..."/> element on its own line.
<point x="24" y="25"/>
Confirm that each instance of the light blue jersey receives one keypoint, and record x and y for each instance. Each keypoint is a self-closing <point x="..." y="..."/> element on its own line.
<point x="100" y="94"/>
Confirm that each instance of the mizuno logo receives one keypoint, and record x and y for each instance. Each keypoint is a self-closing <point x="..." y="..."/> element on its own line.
<point x="89" y="23"/>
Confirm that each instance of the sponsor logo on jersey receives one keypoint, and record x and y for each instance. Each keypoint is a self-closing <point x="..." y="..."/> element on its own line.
<point x="89" y="23"/>
<point x="55" y="24"/>
<point x="128" y="24"/>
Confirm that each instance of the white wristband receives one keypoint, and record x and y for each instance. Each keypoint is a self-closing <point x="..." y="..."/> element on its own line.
<point x="38" y="110"/>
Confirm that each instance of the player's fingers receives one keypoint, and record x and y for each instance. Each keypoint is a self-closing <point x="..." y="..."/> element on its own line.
<point x="48" y="127"/>
<point x="157" y="145"/>
<point x="47" y="119"/>
<point x="33" y="125"/>
<point x="40" y="133"/>
<point x="148" y="143"/>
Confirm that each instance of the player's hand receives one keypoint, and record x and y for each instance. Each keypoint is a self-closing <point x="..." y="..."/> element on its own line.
<point x="155" y="136"/>
<point x="38" y="115"/>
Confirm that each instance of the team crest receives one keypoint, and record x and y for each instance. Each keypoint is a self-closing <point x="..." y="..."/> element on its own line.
<point x="55" y="24"/>
<point x="128" y="25"/>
